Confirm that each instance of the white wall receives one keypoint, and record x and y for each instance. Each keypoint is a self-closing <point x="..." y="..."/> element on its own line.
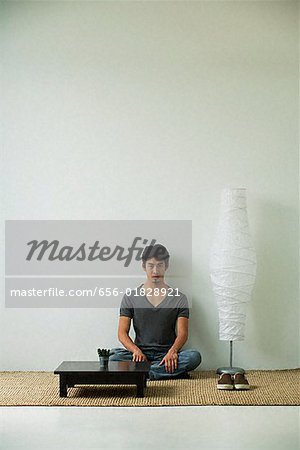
<point x="146" y="110"/>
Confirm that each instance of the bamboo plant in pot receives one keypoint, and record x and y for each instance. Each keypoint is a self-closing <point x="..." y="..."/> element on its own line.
<point x="103" y="354"/>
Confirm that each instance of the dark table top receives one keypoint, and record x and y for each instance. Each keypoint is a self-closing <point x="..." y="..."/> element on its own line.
<point x="94" y="366"/>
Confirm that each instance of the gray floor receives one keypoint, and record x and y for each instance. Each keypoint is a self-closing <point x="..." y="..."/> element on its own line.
<point x="216" y="427"/>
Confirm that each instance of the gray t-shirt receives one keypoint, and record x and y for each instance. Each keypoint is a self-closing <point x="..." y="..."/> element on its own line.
<point x="154" y="326"/>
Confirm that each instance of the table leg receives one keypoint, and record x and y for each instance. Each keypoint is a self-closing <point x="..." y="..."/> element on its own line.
<point x="140" y="388"/>
<point x="63" y="385"/>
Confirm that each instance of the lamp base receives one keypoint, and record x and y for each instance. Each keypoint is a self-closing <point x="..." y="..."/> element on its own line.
<point x="230" y="370"/>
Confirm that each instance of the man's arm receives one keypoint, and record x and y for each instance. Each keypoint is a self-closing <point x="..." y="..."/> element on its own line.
<point x="125" y="339"/>
<point x="171" y="358"/>
<point x="182" y="334"/>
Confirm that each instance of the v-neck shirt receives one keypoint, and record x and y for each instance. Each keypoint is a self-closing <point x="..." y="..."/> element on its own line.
<point x="154" y="326"/>
<point x="168" y="288"/>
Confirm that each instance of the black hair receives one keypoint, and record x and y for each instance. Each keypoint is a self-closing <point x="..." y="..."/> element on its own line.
<point x="156" y="251"/>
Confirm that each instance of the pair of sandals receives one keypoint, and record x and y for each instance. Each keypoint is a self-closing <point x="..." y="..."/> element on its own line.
<point x="228" y="382"/>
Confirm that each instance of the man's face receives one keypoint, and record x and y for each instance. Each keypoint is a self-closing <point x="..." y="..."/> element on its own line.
<point x="155" y="270"/>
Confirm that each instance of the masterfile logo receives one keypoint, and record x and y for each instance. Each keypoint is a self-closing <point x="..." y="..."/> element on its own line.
<point x="94" y="264"/>
<point x="54" y="251"/>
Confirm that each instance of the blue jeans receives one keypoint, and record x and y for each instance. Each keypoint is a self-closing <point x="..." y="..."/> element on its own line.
<point x="187" y="360"/>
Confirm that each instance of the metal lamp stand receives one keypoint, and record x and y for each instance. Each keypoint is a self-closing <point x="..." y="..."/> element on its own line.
<point x="231" y="370"/>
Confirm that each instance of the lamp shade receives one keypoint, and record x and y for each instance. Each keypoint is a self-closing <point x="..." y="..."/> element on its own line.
<point x="232" y="264"/>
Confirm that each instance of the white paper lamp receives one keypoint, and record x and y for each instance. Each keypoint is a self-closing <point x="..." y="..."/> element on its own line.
<point x="232" y="268"/>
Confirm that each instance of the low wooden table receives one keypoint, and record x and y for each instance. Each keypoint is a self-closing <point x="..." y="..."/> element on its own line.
<point x="90" y="372"/>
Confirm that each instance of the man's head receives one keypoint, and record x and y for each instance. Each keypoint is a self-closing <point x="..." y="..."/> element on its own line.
<point x="155" y="261"/>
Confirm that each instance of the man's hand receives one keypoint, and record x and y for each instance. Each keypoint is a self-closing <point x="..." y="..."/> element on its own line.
<point x="138" y="355"/>
<point x="170" y="360"/>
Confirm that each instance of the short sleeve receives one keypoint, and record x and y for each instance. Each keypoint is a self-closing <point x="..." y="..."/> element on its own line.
<point x="183" y="307"/>
<point x="126" y="308"/>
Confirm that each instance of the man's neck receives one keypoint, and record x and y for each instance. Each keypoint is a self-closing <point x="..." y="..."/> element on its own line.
<point x="149" y="285"/>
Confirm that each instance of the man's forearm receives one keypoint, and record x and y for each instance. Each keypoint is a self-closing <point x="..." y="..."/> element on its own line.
<point x="128" y="343"/>
<point x="179" y="342"/>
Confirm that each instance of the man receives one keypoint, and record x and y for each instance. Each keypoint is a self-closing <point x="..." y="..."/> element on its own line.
<point x="156" y="310"/>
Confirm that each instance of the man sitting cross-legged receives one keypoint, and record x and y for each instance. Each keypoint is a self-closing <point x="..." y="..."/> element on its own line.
<point x="156" y="309"/>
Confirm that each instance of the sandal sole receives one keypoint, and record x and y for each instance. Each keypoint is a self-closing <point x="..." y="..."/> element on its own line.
<point x="242" y="387"/>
